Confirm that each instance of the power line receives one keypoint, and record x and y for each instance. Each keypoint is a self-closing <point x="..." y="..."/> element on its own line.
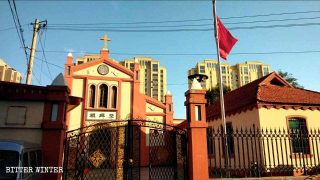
<point x="186" y="29"/>
<point x="271" y="14"/>
<point x="133" y="23"/>
<point x="178" y="54"/>
<point x="20" y="28"/>
<point x="14" y="20"/>
<point x="40" y="66"/>
<point x="107" y="28"/>
<point x="191" y="54"/>
<point x="191" y="20"/>
<point x="168" y="84"/>
<point x="273" y="20"/>
<point x="276" y="26"/>
<point x="52" y="64"/>
<point x="44" y="55"/>
<point x="20" y="31"/>
<point x="187" y="25"/>
<point x="9" y="28"/>
<point x="36" y="78"/>
<point x="46" y="74"/>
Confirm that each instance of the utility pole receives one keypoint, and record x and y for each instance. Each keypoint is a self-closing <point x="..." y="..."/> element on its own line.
<point x="33" y="50"/>
<point x="36" y="27"/>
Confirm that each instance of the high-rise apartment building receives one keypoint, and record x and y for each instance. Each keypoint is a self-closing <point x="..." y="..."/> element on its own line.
<point x="153" y="77"/>
<point x="9" y="74"/>
<point x="232" y="76"/>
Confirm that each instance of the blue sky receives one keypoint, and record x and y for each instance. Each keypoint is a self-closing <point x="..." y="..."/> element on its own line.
<point x="304" y="66"/>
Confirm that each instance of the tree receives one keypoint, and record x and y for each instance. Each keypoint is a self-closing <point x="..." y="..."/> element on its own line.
<point x="290" y="79"/>
<point x="214" y="94"/>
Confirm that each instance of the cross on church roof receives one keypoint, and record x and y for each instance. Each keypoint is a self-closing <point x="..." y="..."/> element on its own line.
<point x="105" y="41"/>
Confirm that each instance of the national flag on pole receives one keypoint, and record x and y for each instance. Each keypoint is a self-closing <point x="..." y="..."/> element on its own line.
<point x="226" y="40"/>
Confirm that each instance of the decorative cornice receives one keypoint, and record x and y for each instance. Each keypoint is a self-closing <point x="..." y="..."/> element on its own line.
<point x="99" y="61"/>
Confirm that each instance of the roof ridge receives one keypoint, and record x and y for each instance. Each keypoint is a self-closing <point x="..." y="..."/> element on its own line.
<point x="313" y="91"/>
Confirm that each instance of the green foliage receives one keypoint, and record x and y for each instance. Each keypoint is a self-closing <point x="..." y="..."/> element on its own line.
<point x="290" y="79"/>
<point x="214" y="94"/>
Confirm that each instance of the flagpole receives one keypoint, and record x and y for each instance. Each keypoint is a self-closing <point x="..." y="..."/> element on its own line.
<point x="223" y="116"/>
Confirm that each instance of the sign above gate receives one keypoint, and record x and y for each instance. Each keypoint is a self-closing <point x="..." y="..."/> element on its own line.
<point x="101" y="115"/>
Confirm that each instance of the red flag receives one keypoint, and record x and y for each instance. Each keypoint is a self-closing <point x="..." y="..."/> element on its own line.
<point x="226" y="40"/>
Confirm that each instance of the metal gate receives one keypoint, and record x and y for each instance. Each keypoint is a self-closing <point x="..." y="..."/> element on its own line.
<point x="130" y="149"/>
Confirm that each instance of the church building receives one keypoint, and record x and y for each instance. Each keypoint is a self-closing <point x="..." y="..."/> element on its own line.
<point x="111" y="92"/>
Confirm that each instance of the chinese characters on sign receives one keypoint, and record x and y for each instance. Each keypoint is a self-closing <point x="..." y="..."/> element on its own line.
<point x="101" y="115"/>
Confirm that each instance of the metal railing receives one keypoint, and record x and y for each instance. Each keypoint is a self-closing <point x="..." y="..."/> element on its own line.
<point x="255" y="152"/>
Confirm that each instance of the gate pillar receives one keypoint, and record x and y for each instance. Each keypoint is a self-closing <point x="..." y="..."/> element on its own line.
<point x="54" y="129"/>
<point x="197" y="127"/>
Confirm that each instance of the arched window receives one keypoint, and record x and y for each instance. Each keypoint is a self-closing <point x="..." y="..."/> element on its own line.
<point x="114" y="92"/>
<point x="92" y="95"/>
<point x="103" y="96"/>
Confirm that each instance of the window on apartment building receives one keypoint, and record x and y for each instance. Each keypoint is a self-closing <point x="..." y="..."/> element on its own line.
<point x="92" y="96"/>
<point x="114" y="95"/>
<point x="245" y="70"/>
<point x="224" y="79"/>
<point x="202" y="69"/>
<point x="223" y="70"/>
<point x="230" y="141"/>
<point x="131" y="66"/>
<point x="155" y="76"/>
<point x="154" y="67"/>
<point x="246" y="80"/>
<point x="299" y="135"/>
<point x="103" y="96"/>
<point x="214" y="66"/>
<point x="265" y="71"/>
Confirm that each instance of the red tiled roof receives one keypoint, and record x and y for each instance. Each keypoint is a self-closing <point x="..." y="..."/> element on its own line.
<point x="287" y="95"/>
<point x="270" y="89"/>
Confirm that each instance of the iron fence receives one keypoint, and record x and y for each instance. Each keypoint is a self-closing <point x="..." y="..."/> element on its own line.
<point x="255" y="152"/>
